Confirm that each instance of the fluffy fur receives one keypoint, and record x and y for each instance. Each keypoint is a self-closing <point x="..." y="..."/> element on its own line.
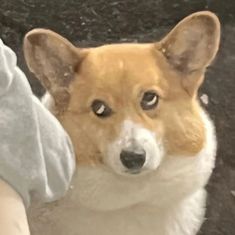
<point x="167" y="195"/>
<point x="170" y="201"/>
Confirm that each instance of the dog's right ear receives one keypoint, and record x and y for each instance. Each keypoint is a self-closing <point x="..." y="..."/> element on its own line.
<point x="53" y="60"/>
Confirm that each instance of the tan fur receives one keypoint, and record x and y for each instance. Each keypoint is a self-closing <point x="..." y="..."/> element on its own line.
<point x="119" y="74"/>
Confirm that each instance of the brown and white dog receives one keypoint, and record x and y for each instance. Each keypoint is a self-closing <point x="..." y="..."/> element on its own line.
<point x="145" y="148"/>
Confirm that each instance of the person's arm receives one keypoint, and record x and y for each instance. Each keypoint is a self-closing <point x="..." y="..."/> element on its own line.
<point x="13" y="219"/>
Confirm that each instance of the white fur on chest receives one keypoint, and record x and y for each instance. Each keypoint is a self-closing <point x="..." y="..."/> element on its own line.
<point x="65" y="218"/>
<point x="169" y="201"/>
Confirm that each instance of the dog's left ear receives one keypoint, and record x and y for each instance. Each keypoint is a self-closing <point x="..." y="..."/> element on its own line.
<point x="193" y="43"/>
<point x="54" y="61"/>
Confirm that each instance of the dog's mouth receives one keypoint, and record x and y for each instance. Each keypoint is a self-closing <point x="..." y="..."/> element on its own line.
<point x="135" y="172"/>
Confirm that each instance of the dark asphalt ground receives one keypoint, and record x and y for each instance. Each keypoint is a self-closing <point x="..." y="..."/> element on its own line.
<point x="94" y="22"/>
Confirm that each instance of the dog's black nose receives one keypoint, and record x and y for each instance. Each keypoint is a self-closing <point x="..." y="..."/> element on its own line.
<point x="133" y="160"/>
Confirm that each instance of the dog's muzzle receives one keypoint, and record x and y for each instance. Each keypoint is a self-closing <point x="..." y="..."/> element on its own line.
<point x="136" y="150"/>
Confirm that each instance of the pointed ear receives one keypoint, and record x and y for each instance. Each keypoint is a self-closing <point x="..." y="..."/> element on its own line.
<point x="54" y="61"/>
<point x="193" y="43"/>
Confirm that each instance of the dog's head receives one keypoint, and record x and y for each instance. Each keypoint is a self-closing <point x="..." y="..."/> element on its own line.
<point x="126" y="106"/>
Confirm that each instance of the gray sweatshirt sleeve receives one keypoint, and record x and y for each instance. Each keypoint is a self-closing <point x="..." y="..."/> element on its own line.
<point x="36" y="154"/>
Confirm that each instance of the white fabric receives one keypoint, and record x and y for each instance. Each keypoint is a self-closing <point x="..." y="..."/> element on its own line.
<point x="36" y="154"/>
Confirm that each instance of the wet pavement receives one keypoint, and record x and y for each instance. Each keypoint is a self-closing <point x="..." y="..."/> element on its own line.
<point x="94" y="22"/>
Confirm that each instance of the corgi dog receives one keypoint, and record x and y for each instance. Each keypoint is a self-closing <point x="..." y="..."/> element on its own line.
<point x="145" y="148"/>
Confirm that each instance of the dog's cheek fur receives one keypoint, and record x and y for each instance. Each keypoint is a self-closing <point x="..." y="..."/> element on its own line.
<point x="89" y="139"/>
<point x="90" y="135"/>
<point x="184" y="132"/>
<point x="87" y="152"/>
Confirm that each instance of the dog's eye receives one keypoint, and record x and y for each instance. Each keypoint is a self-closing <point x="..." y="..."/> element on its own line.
<point x="149" y="100"/>
<point x="101" y="109"/>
